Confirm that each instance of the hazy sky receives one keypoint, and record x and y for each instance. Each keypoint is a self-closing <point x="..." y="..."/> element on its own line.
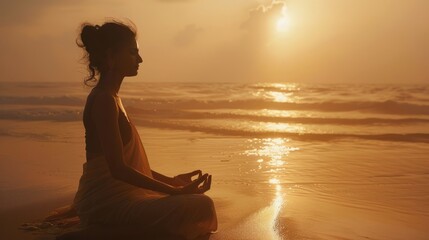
<point x="340" y="41"/>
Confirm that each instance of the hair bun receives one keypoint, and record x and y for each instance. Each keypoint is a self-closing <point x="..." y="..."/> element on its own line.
<point x="89" y="37"/>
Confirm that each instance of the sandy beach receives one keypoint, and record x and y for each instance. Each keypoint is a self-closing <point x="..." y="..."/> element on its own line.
<point x="320" y="192"/>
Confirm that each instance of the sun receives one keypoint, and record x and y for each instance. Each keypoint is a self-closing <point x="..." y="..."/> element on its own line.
<point x="283" y="22"/>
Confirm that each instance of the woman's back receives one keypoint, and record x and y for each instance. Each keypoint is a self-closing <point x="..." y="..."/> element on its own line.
<point x="93" y="145"/>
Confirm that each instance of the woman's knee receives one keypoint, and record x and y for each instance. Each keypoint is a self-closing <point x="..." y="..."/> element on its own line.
<point x="203" y="200"/>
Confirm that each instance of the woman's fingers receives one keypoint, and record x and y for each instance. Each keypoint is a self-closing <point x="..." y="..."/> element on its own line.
<point x="199" y="180"/>
<point x="207" y="184"/>
<point x="210" y="182"/>
<point x="195" y="187"/>
<point x="191" y="174"/>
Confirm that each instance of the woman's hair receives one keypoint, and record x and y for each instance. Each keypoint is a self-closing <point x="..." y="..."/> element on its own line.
<point x="97" y="40"/>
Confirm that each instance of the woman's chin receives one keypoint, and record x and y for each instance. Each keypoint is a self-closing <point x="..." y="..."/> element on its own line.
<point x="132" y="74"/>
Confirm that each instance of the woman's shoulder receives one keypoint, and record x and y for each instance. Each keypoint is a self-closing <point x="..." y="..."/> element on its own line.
<point x="101" y="95"/>
<point x="100" y="99"/>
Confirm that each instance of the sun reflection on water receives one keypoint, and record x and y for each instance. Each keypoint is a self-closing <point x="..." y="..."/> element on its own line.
<point x="276" y="113"/>
<point x="269" y="166"/>
<point x="271" y="154"/>
<point x="277" y="92"/>
<point x="280" y="96"/>
<point x="274" y="181"/>
<point x="280" y="86"/>
<point x="279" y="127"/>
<point x="272" y="149"/>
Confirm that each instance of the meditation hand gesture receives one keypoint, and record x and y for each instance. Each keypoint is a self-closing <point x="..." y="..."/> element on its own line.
<point x="185" y="178"/>
<point x="194" y="187"/>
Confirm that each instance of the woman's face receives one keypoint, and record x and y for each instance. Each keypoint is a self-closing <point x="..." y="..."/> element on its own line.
<point x="126" y="59"/>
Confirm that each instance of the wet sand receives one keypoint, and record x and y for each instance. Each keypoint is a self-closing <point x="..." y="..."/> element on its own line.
<point x="262" y="188"/>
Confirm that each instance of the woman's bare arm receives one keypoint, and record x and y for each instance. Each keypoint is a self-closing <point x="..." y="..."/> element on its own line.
<point x="105" y="115"/>
<point x="162" y="178"/>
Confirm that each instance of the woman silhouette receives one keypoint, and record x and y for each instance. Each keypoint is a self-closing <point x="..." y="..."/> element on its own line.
<point x="119" y="194"/>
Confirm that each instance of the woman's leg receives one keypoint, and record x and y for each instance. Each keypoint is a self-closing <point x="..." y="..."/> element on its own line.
<point x="189" y="216"/>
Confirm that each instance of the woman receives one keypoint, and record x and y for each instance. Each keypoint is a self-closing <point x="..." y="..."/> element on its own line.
<point x="119" y="194"/>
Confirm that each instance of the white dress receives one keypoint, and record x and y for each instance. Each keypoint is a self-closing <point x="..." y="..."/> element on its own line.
<point x="101" y="199"/>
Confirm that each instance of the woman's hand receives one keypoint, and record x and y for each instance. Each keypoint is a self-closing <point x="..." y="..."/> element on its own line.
<point x="186" y="178"/>
<point x="194" y="187"/>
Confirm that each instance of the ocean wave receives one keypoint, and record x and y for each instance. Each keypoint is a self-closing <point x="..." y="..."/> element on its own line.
<point x="179" y="114"/>
<point x="384" y="107"/>
<point x="406" y="137"/>
<point x="35" y="114"/>
<point x="41" y="115"/>
<point x="380" y="107"/>
<point x="42" y="100"/>
<point x="75" y="114"/>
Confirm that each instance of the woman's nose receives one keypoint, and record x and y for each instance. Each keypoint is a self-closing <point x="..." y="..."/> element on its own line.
<point x="140" y="59"/>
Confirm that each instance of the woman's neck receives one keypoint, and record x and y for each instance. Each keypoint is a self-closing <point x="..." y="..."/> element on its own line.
<point x="110" y="82"/>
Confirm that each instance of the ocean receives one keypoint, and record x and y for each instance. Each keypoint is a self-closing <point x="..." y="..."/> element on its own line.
<point x="301" y="112"/>
<point x="322" y="161"/>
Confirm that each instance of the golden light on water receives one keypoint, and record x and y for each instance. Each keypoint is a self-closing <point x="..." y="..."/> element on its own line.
<point x="286" y="86"/>
<point x="270" y="162"/>
<point x="280" y="96"/>
<point x="279" y="86"/>
<point x="277" y="205"/>
<point x="262" y="224"/>
<point x="278" y="189"/>
<point x="277" y="113"/>
<point x="277" y="150"/>
<point x="280" y="127"/>
<point x="273" y="149"/>
<point x="272" y="152"/>
<point x="277" y="92"/>
<point x="274" y="181"/>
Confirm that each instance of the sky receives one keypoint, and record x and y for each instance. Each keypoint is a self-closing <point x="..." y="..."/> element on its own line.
<point x="302" y="41"/>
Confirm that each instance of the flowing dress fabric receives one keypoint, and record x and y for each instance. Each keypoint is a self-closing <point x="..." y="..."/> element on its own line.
<point x="101" y="199"/>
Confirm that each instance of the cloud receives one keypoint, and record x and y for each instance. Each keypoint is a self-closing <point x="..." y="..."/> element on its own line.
<point x="187" y="36"/>
<point x="261" y="20"/>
